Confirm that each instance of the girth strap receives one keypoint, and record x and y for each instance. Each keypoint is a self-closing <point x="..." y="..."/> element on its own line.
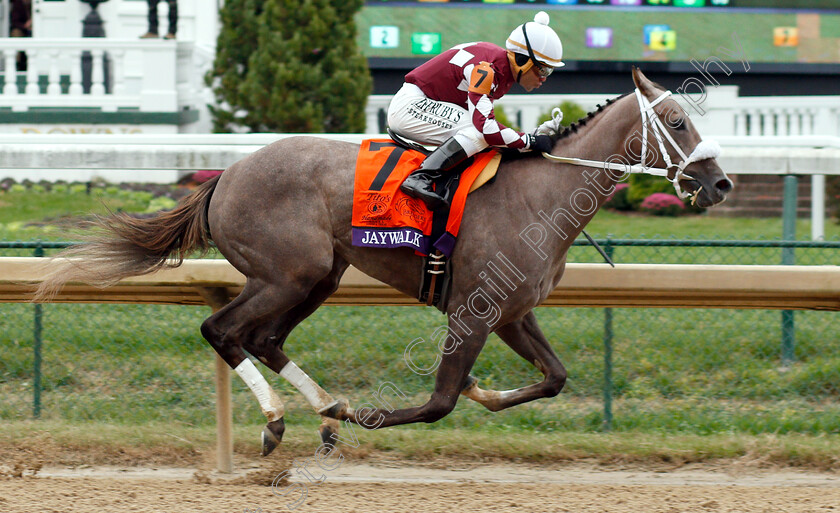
<point x="434" y="284"/>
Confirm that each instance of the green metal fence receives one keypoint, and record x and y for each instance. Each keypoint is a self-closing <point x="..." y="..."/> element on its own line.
<point x="672" y="370"/>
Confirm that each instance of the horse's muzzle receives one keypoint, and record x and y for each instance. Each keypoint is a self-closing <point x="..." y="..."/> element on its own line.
<point x="712" y="184"/>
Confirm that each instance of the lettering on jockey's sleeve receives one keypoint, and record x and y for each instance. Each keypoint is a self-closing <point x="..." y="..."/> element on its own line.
<point x="481" y="80"/>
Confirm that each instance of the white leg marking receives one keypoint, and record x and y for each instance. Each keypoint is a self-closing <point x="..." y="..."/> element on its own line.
<point x="317" y="396"/>
<point x="491" y="399"/>
<point x="270" y="403"/>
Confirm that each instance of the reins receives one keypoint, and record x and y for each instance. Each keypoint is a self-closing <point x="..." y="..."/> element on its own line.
<point x="706" y="149"/>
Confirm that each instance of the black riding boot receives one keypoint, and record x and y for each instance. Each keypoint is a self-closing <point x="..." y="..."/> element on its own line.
<point x="442" y="160"/>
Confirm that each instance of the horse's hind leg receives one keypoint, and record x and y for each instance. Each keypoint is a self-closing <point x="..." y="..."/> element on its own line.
<point x="525" y="337"/>
<point x="236" y="325"/>
<point x="451" y="378"/>
<point x="269" y="348"/>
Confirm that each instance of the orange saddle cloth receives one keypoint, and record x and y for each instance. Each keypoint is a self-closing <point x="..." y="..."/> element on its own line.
<point x="386" y="217"/>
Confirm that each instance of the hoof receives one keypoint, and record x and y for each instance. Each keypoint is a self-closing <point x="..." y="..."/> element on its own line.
<point x="335" y="410"/>
<point x="328" y="429"/>
<point x="471" y="382"/>
<point x="272" y="435"/>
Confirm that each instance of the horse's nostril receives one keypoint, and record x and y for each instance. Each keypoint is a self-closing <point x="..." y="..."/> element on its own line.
<point x="724" y="185"/>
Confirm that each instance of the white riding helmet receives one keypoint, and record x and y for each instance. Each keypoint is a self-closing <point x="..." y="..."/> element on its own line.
<point x="538" y="42"/>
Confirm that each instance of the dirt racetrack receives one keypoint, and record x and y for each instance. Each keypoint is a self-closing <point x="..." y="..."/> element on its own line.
<point x="385" y="488"/>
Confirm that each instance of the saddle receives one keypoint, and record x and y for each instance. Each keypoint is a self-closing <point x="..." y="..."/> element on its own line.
<point x="383" y="216"/>
<point x="448" y="183"/>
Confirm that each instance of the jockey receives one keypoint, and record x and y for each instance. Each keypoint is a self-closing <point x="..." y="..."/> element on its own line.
<point x="448" y="101"/>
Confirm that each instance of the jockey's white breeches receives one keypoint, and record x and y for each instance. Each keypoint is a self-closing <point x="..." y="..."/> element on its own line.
<point x="411" y="114"/>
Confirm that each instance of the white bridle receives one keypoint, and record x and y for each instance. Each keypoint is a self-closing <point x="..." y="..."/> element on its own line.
<point x="706" y="149"/>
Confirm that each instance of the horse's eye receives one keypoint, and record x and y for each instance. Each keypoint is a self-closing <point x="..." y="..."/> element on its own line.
<point x="679" y="124"/>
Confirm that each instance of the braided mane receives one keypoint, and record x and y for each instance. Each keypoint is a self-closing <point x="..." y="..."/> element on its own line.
<point x="566" y="132"/>
<point x="574" y="127"/>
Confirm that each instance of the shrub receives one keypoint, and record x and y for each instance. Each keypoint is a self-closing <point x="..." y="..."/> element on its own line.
<point x="141" y="196"/>
<point x="502" y="117"/>
<point x="642" y="186"/>
<point x="662" y="204"/>
<point x="205" y="175"/>
<point x="160" y="203"/>
<point x="236" y="41"/>
<point x="307" y="73"/>
<point x="618" y="198"/>
<point x="284" y="66"/>
<point x="571" y="113"/>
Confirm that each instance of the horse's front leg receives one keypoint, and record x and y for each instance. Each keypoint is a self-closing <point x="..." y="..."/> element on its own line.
<point x="525" y="337"/>
<point x="459" y="355"/>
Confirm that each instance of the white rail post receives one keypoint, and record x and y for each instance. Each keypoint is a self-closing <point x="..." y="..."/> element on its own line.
<point x="97" y="86"/>
<point x="817" y="207"/>
<point x="530" y="117"/>
<point x="118" y="76"/>
<point x="766" y="122"/>
<point x="372" y="119"/>
<point x="823" y="124"/>
<point x="53" y="76"/>
<point x="32" y="60"/>
<point x="740" y="123"/>
<point x="75" y="57"/>
<point x="10" y="75"/>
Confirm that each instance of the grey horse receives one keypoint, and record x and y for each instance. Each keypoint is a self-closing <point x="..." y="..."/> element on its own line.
<point x="282" y="217"/>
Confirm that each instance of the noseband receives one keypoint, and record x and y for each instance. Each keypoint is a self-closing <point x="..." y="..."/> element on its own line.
<point x="706" y="149"/>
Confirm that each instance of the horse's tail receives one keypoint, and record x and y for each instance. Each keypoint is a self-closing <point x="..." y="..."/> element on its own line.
<point x="129" y="246"/>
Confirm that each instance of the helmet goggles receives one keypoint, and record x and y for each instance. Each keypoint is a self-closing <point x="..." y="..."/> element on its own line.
<point x="543" y="70"/>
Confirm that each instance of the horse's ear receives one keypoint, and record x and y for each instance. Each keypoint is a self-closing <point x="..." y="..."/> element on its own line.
<point x="641" y="80"/>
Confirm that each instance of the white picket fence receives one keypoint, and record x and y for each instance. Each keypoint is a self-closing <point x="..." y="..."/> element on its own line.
<point x="128" y="75"/>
